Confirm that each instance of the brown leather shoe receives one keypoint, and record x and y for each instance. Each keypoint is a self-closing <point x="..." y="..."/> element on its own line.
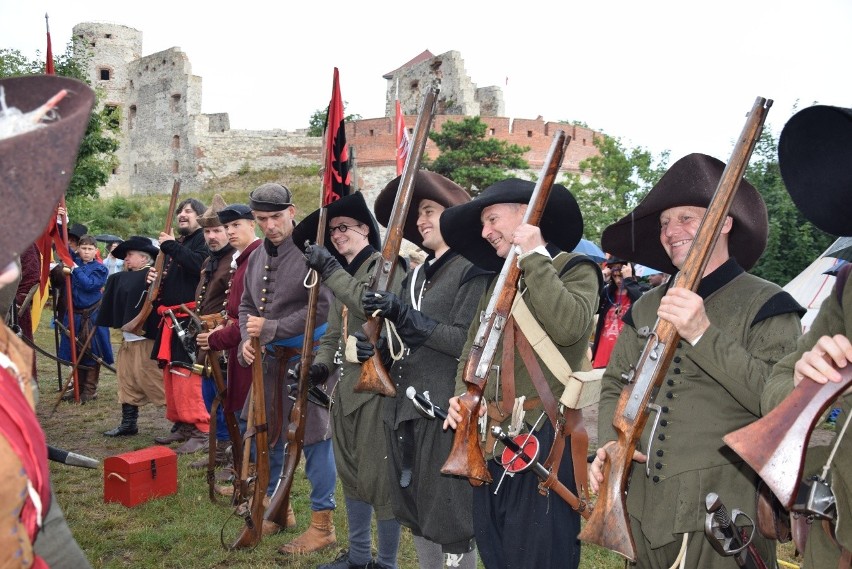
<point x="319" y="535"/>
<point x="223" y="456"/>
<point x="179" y="435"/>
<point x="196" y="442"/>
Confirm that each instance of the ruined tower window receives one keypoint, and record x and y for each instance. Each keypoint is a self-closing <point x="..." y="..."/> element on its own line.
<point x="175" y="102"/>
<point x="175" y="167"/>
<point x="491" y="131"/>
<point x="136" y="168"/>
<point x="113" y="116"/>
<point x="104" y="72"/>
<point x="131" y="119"/>
<point x="411" y="131"/>
<point x="108" y="36"/>
<point x="176" y="142"/>
<point x="372" y="132"/>
<point x="131" y="83"/>
<point x="584" y="142"/>
<point x="115" y="171"/>
<point x="529" y="134"/>
<point x="414" y="85"/>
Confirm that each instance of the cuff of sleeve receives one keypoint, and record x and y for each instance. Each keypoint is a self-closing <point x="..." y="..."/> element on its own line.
<point x="541" y="250"/>
<point x="695" y="341"/>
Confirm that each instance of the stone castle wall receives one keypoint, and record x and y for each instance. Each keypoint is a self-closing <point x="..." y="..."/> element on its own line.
<point x="165" y="136"/>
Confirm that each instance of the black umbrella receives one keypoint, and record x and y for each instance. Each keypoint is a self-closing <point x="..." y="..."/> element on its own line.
<point x="840" y="249"/>
<point x="108" y="238"/>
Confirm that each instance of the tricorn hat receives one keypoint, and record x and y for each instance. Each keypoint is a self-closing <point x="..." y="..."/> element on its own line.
<point x="691" y="181"/>
<point x="135" y="243"/>
<point x="210" y="218"/>
<point x="36" y="166"/>
<point x="561" y="223"/>
<point x="427" y="186"/>
<point x="815" y="157"/>
<point x="354" y="206"/>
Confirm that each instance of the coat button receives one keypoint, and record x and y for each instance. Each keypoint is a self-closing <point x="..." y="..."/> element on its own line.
<point x="680" y="344"/>
<point x="664" y="423"/>
<point x="669" y="382"/>
<point x="677" y="359"/>
<point x="662" y="436"/>
<point x="660" y="452"/>
<point x="659" y="466"/>
<point x="669" y="395"/>
<point x="656" y="479"/>
<point x="677" y="371"/>
<point x="665" y="409"/>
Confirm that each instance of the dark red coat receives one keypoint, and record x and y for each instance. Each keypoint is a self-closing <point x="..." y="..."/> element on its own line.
<point x="228" y="338"/>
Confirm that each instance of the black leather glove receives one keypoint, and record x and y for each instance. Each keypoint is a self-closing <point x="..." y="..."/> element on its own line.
<point x="364" y="349"/>
<point x="317" y="373"/>
<point x="387" y="303"/>
<point x="321" y="260"/>
<point x="413" y="326"/>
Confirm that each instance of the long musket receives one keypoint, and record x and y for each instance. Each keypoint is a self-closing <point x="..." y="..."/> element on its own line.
<point x="466" y="457"/>
<point x="206" y="360"/>
<point x="608" y="526"/>
<point x="258" y="431"/>
<point x="280" y="501"/>
<point x="374" y="377"/>
<point x="135" y="325"/>
<point x="774" y="445"/>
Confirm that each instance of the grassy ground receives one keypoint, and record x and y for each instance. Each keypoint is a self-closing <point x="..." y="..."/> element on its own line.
<point x="185" y="529"/>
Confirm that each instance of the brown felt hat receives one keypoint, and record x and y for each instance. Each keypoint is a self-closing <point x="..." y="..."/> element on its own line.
<point x="815" y="157"/>
<point x="36" y="166"/>
<point x="692" y="181"/>
<point x="561" y="223"/>
<point x="210" y="218"/>
<point x="427" y="186"/>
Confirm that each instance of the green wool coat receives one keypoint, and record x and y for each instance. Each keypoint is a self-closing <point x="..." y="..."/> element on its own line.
<point x="834" y="318"/>
<point x="710" y="389"/>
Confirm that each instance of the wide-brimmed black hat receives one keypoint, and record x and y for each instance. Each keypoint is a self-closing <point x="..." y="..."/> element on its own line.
<point x="354" y="206"/>
<point x="36" y="166"/>
<point x="77" y="230"/>
<point x="815" y="157"/>
<point x="691" y="181"/>
<point x="461" y="226"/>
<point x="135" y="243"/>
<point x="427" y="186"/>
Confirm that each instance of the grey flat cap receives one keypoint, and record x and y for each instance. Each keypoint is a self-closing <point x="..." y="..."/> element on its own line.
<point x="270" y="197"/>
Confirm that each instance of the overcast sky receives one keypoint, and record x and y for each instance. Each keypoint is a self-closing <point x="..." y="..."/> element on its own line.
<point x="674" y="75"/>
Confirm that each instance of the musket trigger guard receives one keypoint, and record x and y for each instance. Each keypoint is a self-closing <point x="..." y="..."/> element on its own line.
<point x="656" y="409"/>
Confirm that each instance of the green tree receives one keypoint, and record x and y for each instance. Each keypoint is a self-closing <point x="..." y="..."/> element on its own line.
<point x="613" y="182"/>
<point x="793" y="241"/>
<point x="470" y="159"/>
<point x="96" y="158"/>
<point x="316" y="125"/>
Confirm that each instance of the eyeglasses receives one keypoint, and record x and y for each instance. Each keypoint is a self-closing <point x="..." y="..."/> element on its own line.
<point x="341" y="228"/>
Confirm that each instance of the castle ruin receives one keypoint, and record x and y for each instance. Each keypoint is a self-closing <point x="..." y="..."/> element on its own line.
<point x="164" y="135"/>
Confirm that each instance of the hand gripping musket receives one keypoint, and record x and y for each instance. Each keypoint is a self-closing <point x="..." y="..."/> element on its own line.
<point x="608" y="526"/>
<point x="257" y="430"/>
<point x="729" y="539"/>
<point x="374" y="377"/>
<point x="207" y="363"/>
<point x="280" y="501"/>
<point x="135" y="325"/>
<point x="774" y="445"/>
<point x="429" y="410"/>
<point x="466" y="457"/>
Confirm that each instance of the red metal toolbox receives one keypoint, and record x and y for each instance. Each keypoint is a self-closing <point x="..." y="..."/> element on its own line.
<point x="135" y="477"/>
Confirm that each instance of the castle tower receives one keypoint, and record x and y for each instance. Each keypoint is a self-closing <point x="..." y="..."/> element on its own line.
<point x="112" y="47"/>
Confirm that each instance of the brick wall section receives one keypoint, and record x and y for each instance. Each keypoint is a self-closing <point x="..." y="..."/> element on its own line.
<point x="375" y="142"/>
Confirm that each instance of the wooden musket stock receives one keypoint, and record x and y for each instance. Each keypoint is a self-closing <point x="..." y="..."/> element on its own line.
<point x="374" y="377"/>
<point x="258" y="430"/>
<point x="466" y="457"/>
<point x="774" y="446"/>
<point x="608" y="525"/>
<point x="135" y="325"/>
<point x="280" y="501"/>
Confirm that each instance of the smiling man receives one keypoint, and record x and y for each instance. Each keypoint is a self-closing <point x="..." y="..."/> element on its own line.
<point x="732" y="330"/>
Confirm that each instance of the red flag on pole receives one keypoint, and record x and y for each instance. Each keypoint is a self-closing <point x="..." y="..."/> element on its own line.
<point x="336" y="175"/>
<point x="402" y="141"/>
<point x="48" y="67"/>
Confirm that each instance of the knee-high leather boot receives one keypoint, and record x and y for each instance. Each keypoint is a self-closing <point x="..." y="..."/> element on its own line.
<point x="129" y="414"/>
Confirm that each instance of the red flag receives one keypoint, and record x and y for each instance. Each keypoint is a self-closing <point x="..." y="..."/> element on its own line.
<point x="402" y="141"/>
<point x="336" y="175"/>
<point x="48" y="67"/>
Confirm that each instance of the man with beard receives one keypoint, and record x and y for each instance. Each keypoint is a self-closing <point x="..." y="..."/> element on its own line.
<point x="273" y="309"/>
<point x="432" y="316"/>
<point x="210" y="299"/>
<point x="181" y="273"/>
<point x="140" y="380"/>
